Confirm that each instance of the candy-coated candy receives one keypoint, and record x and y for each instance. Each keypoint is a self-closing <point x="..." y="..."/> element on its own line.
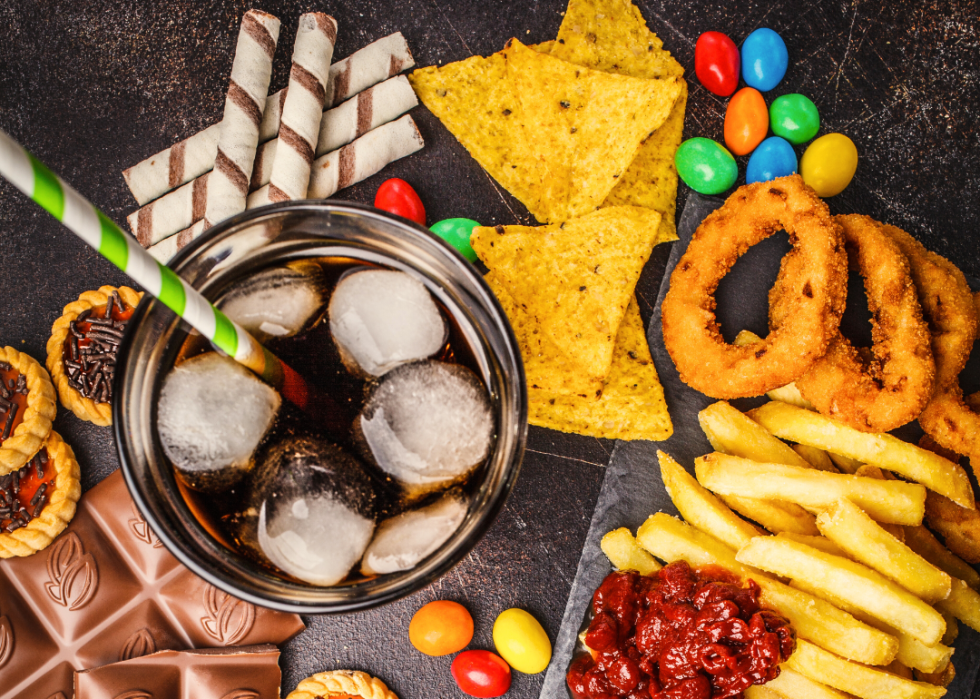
<point x="795" y="118"/>
<point x="456" y="232"/>
<point x="705" y="165"/>
<point x="440" y="628"/>
<point x="716" y="63"/>
<point x="764" y="59"/>
<point x="773" y="158"/>
<point x="521" y="641"/>
<point x="396" y="196"/>
<point x="829" y="164"/>
<point x="746" y="121"/>
<point x="480" y="673"/>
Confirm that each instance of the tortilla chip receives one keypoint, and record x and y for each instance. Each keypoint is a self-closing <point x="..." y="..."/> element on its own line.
<point x="631" y="405"/>
<point x="587" y="125"/>
<point x="575" y="280"/>
<point x="476" y="101"/>
<point x="612" y="35"/>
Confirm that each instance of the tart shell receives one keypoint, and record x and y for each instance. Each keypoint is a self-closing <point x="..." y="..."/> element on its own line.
<point x="24" y="442"/>
<point x="37" y="534"/>
<point x="342" y="683"/>
<point x="85" y="408"/>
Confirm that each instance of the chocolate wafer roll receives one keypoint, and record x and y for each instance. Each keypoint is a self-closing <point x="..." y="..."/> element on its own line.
<point x="250" y="75"/>
<point x="356" y="161"/>
<point x="195" y="155"/>
<point x="339" y="126"/>
<point x="300" y="123"/>
<point x="169" y="246"/>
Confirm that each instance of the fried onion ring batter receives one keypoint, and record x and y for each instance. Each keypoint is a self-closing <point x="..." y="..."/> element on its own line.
<point x="888" y="387"/>
<point x="952" y="312"/>
<point x="813" y="299"/>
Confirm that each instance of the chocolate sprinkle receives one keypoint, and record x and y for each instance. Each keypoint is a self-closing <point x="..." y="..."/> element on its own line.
<point x="13" y="515"/>
<point x="91" y="366"/>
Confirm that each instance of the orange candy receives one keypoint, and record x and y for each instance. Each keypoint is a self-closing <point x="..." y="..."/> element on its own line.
<point x="440" y="628"/>
<point x="746" y="121"/>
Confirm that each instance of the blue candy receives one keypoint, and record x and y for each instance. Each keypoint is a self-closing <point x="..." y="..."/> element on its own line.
<point x="773" y="158"/>
<point x="764" y="59"/>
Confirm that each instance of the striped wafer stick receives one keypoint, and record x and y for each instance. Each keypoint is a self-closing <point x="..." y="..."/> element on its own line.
<point x="250" y="74"/>
<point x="372" y="107"/>
<point x="195" y="155"/>
<point x="356" y="161"/>
<point x="299" y="126"/>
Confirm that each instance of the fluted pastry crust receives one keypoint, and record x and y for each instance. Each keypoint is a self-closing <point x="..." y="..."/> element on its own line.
<point x="342" y="683"/>
<point x="25" y="440"/>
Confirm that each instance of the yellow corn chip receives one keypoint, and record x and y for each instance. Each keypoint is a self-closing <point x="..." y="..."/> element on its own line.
<point x="586" y="125"/>
<point x="575" y="280"/>
<point x="612" y="35"/>
<point x="632" y="403"/>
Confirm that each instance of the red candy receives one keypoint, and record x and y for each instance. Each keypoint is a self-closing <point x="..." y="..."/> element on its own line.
<point x="480" y="673"/>
<point x="397" y="197"/>
<point x="716" y="63"/>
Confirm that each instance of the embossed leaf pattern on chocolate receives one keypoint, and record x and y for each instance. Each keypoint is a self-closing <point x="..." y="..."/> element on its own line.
<point x="72" y="573"/>
<point x="228" y="619"/>
<point x="142" y="530"/>
<point x="134" y="694"/>
<point x="139" y="644"/>
<point x="242" y="694"/>
<point x="6" y="640"/>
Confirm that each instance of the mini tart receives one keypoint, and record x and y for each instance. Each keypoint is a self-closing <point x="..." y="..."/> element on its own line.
<point x="84" y="408"/>
<point x="37" y="534"/>
<point x="341" y="684"/>
<point x="23" y="443"/>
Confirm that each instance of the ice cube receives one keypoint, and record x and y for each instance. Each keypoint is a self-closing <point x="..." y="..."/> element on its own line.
<point x="382" y="318"/>
<point x="428" y="425"/>
<point x="212" y="414"/>
<point x="404" y="540"/>
<point x="315" y="505"/>
<point x="278" y="302"/>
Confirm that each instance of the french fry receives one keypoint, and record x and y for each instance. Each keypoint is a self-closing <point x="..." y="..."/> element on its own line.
<point x="952" y="628"/>
<point x="732" y="432"/>
<point x="883" y="450"/>
<point x="760" y="691"/>
<point x="843" y="463"/>
<point x="942" y="679"/>
<point x="865" y="541"/>
<point x="793" y="685"/>
<point x="861" y="681"/>
<point x="922" y="541"/>
<point x="815" y="619"/>
<point x="963" y="603"/>
<point x="818" y="542"/>
<point x="959" y="526"/>
<point x="896" y="502"/>
<point x="817" y="458"/>
<point x="912" y="652"/>
<point x="788" y="393"/>
<point x="700" y="508"/>
<point x="869" y="471"/>
<point x="623" y="552"/>
<point x="847" y="580"/>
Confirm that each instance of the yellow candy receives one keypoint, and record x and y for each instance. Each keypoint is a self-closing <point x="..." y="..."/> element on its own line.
<point x="829" y="164"/>
<point x="521" y="641"/>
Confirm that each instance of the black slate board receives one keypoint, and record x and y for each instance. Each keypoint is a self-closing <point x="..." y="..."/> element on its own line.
<point x="633" y="490"/>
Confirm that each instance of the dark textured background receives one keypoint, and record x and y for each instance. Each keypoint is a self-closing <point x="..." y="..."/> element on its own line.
<point x="93" y="86"/>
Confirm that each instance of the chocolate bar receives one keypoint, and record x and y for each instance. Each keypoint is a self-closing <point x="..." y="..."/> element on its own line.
<point x="219" y="673"/>
<point x="106" y="590"/>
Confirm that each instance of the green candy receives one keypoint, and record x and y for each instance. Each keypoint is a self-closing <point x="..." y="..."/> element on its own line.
<point x="456" y="232"/>
<point x="705" y="166"/>
<point x="795" y="118"/>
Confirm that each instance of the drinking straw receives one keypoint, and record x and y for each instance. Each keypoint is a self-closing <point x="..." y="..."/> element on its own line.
<point x="77" y="214"/>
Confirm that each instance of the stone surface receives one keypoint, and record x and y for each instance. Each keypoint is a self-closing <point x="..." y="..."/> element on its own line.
<point x="94" y="86"/>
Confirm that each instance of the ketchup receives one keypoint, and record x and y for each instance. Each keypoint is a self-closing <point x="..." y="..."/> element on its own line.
<point x="681" y="634"/>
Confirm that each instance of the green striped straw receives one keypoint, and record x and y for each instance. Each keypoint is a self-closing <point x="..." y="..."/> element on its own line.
<point x="31" y="177"/>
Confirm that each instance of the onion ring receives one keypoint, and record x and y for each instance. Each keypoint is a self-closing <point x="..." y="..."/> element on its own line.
<point x="814" y="298"/>
<point x="952" y="312"/>
<point x="888" y="387"/>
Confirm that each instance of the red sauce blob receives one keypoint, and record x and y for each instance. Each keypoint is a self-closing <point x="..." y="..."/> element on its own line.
<point x="17" y="490"/>
<point x="9" y="378"/>
<point x="681" y="634"/>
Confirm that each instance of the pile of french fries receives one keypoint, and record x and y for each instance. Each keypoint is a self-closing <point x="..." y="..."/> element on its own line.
<point x="873" y="595"/>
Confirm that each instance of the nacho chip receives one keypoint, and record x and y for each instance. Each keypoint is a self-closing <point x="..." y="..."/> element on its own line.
<point x="631" y="405"/>
<point x="612" y="35"/>
<point x="575" y="280"/>
<point x="586" y="125"/>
